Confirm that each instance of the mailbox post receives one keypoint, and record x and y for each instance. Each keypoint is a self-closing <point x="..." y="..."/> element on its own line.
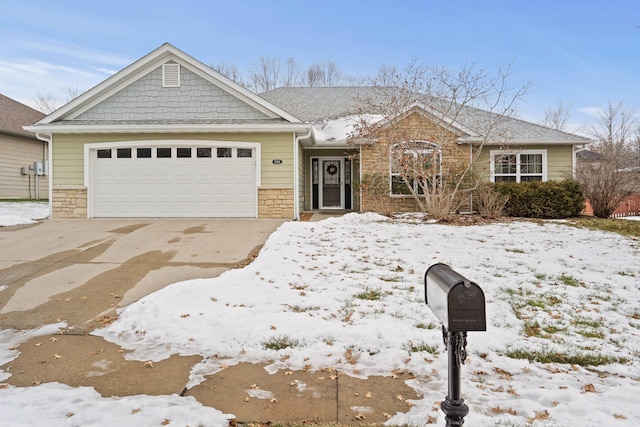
<point x="459" y="304"/>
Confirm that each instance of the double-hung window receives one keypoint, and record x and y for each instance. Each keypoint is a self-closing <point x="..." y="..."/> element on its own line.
<point x="518" y="166"/>
<point x="414" y="165"/>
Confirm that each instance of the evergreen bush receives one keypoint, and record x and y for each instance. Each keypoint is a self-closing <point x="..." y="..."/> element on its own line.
<point x="545" y="200"/>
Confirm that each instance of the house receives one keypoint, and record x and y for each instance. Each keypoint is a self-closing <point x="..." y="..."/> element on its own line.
<point x="515" y="150"/>
<point x="170" y="137"/>
<point x="19" y="151"/>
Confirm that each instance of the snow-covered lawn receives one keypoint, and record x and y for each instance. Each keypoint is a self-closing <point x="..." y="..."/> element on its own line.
<point x="562" y="345"/>
<point x="17" y="213"/>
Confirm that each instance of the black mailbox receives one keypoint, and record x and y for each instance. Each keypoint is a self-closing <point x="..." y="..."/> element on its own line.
<point x="455" y="300"/>
<point x="459" y="304"/>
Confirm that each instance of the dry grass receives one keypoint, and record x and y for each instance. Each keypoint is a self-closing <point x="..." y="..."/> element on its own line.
<point x="624" y="227"/>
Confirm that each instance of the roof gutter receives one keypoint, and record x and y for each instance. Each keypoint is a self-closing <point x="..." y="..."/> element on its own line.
<point x="472" y="141"/>
<point x="175" y="128"/>
<point x="17" y="134"/>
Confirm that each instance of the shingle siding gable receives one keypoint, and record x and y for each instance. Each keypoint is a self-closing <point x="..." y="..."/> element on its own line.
<point x="196" y="98"/>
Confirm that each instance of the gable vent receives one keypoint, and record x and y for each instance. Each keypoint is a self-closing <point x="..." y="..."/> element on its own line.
<point x="170" y="75"/>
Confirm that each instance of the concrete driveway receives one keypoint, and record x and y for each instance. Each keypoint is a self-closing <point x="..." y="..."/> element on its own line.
<point x="80" y="271"/>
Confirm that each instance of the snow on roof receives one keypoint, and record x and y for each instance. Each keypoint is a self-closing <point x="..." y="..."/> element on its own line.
<point x="338" y="129"/>
<point x="327" y="104"/>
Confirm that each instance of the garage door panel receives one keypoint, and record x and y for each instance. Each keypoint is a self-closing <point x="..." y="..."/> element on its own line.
<point x="173" y="187"/>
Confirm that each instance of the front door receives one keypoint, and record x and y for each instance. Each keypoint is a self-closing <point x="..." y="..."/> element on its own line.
<point x="331" y="183"/>
<point x="331" y="189"/>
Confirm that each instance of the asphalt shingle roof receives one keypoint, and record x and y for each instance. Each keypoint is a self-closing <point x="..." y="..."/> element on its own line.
<point x="14" y="115"/>
<point x="318" y="104"/>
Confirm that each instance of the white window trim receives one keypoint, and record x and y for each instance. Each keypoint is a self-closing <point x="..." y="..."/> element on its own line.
<point x="434" y="147"/>
<point x="494" y="153"/>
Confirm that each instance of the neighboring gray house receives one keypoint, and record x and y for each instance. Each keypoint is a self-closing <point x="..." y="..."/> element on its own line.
<point x="19" y="150"/>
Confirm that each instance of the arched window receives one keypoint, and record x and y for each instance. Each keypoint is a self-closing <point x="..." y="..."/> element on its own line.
<point x="414" y="165"/>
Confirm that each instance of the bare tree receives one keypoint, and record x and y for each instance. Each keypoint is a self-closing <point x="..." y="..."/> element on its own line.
<point x="635" y="146"/>
<point x="606" y="183"/>
<point x="48" y="102"/>
<point x="387" y="75"/>
<point x="615" y="128"/>
<point x="325" y="74"/>
<point x="609" y="180"/>
<point x="353" y="80"/>
<point x="558" y="118"/>
<point x="228" y="70"/>
<point x="269" y="73"/>
<point x="265" y="75"/>
<point x="314" y="76"/>
<point x="292" y="76"/>
<point x="414" y="138"/>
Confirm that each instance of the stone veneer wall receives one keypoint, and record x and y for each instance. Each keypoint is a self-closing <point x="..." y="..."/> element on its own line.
<point x="374" y="162"/>
<point x="275" y="203"/>
<point x="69" y="203"/>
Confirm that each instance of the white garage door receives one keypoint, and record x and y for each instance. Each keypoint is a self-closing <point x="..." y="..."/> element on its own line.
<point x="183" y="181"/>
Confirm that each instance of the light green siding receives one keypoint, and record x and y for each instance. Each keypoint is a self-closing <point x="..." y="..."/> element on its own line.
<point x="559" y="160"/>
<point x="67" y="161"/>
<point x="277" y="147"/>
<point x="68" y="153"/>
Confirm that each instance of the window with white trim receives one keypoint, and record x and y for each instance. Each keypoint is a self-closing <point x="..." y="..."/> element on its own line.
<point x="413" y="165"/>
<point x="518" y="166"/>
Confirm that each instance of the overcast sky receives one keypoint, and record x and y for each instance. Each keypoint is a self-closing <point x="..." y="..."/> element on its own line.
<point x="581" y="52"/>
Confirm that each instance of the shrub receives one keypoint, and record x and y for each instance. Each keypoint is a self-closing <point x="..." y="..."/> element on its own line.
<point x="547" y="200"/>
<point x="489" y="202"/>
<point x="374" y="188"/>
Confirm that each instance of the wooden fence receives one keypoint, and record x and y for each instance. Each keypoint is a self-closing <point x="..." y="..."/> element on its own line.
<point x="630" y="207"/>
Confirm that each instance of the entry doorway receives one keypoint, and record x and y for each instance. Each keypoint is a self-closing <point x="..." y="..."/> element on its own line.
<point x="331" y="182"/>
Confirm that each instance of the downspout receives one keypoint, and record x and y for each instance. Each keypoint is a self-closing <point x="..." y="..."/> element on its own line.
<point x="296" y="171"/>
<point x="574" y="158"/>
<point x="46" y="138"/>
<point x="360" y="176"/>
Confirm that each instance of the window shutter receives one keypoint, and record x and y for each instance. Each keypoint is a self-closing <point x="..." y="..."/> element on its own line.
<point x="170" y="75"/>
